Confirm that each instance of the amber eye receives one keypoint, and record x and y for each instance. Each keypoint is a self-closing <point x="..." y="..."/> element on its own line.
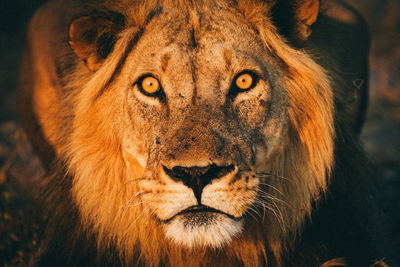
<point x="149" y="85"/>
<point x="245" y="81"/>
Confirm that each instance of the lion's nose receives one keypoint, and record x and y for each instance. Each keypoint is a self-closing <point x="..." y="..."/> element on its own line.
<point x="198" y="177"/>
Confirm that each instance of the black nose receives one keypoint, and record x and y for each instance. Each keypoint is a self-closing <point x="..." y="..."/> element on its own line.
<point x="198" y="177"/>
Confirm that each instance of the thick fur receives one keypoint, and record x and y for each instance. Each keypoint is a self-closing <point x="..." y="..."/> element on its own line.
<point x="104" y="143"/>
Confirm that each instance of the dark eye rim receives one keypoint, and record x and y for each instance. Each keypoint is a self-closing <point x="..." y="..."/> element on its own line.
<point x="139" y="81"/>
<point x="235" y="90"/>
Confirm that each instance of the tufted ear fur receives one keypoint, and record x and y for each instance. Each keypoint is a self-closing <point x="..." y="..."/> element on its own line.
<point x="294" y="18"/>
<point x="93" y="37"/>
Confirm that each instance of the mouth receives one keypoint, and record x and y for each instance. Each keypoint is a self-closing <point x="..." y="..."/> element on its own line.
<point x="202" y="226"/>
<point x="200" y="211"/>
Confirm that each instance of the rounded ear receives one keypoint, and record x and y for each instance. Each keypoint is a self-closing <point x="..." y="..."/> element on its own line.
<point x="294" y="18"/>
<point x="93" y="37"/>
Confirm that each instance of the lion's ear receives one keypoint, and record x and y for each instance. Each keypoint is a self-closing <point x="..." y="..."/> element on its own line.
<point x="294" y="18"/>
<point x="93" y="37"/>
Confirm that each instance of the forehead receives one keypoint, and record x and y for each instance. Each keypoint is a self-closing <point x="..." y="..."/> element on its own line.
<point x="201" y="33"/>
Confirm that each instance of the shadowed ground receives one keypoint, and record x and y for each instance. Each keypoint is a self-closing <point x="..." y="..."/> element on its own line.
<point x="381" y="135"/>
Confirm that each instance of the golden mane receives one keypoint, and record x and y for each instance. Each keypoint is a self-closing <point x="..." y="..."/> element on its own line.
<point x="98" y="164"/>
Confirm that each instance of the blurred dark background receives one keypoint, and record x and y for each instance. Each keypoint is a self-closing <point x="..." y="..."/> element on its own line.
<point x="381" y="134"/>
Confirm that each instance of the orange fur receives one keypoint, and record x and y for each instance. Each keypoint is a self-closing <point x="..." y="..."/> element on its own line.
<point x="94" y="147"/>
<point x="110" y="206"/>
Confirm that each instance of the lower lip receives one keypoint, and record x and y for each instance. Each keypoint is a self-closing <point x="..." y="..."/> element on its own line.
<point x="201" y="210"/>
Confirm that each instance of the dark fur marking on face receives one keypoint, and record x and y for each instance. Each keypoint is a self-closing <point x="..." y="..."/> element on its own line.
<point x="193" y="38"/>
<point x="156" y="11"/>
<point x="228" y="59"/>
<point x="120" y="63"/>
<point x="164" y="62"/>
<point x="129" y="48"/>
<point x="193" y="68"/>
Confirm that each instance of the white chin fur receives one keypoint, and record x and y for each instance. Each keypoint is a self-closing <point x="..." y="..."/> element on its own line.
<point x="193" y="231"/>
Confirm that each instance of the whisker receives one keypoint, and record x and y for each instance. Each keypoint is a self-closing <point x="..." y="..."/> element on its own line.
<point x="136" y="196"/>
<point x="273" y="202"/>
<point x="253" y="213"/>
<point x="276" y="212"/>
<point x="273" y="187"/>
<point x="145" y="209"/>
<point x="137" y="204"/>
<point x="274" y="198"/>
<point x="262" y="192"/>
<point x="258" y="203"/>
<point x="137" y="179"/>
<point x="131" y="181"/>
<point x="137" y="218"/>
<point x="263" y="175"/>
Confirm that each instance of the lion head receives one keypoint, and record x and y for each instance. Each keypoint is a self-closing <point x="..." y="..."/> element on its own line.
<point x="198" y="133"/>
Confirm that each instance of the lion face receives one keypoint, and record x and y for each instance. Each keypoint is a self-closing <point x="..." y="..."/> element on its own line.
<point x="200" y="127"/>
<point x="197" y="136"/>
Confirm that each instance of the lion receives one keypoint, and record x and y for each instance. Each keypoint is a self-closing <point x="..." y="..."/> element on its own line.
<point x="199" y="133"/>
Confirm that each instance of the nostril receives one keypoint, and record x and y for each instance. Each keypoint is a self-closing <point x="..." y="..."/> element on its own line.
<point x="177" y="173"/>
<point x="218" y="172"/>
<point x="198" y="177"/>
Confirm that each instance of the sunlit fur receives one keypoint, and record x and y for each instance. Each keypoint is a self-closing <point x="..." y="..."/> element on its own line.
<point x="98" y="165"/>
<point x="101" y="167"/>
